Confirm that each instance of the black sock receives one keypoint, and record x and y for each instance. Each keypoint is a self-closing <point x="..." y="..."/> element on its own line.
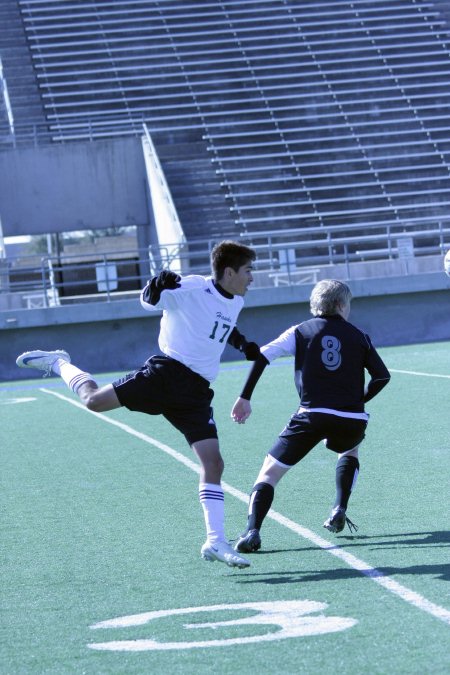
<point x="260" y="503"/>
<point x="347" y="470"/>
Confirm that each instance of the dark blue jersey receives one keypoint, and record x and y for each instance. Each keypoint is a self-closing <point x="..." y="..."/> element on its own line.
<point x="331" y="357"/>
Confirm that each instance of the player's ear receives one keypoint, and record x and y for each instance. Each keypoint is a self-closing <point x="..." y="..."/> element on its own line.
<point x="228" y="272"/>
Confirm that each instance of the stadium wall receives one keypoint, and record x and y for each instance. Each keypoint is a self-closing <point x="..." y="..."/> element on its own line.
<point x="118" y="336"/>
<point x="77" y="186"/>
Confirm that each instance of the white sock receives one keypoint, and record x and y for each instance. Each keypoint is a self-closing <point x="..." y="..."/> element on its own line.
<point x="212" y="501"/>
<point x="72" y="376"/>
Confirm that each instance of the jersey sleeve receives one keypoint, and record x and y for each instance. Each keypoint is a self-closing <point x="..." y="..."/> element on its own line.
<point x="379" y="374"/>
<point x="253" y="377"/>
<point x="283" y="345"/>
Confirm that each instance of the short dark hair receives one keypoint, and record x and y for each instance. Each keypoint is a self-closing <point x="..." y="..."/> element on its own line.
<point x="230" y="254"/>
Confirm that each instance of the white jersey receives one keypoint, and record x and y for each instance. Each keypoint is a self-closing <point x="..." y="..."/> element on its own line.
<point x="196" y="323"/>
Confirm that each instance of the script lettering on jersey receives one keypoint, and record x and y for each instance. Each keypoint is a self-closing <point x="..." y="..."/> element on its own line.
<point x="219" y="315"/>
<point x="331" y="354"/>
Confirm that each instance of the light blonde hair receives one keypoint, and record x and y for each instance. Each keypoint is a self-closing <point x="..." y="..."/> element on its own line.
<point x="328" y="296"/>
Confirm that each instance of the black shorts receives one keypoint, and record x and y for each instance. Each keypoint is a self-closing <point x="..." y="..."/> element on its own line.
<point x="164" y="386"/>
<point x="306" y="429"/>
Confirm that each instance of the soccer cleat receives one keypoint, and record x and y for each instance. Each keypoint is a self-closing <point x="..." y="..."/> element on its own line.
<point x="223" y="552"/>
<point x="248" y="542"/>
<point x="336" y="522"/>
<point x="41" y="360"/>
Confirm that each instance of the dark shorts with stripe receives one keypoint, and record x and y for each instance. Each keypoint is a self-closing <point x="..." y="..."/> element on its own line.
<point x="164" y="386"/>
<point x="305" y="430"/>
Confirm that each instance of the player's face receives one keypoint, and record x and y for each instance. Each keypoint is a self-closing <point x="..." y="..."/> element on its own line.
<point x="237" y="282"/>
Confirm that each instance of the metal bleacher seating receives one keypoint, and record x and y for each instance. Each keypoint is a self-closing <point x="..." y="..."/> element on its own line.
<point x="291" y="114"/>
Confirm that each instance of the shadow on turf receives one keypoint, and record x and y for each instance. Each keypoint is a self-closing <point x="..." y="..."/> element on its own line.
<point x="440" y="538"/>
<point x="338" y="574"/>
<point x="436" y="539"/>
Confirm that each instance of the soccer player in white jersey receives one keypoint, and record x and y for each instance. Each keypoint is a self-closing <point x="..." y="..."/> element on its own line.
<point x="331" y="357"/>
<point x="199" y="318"/>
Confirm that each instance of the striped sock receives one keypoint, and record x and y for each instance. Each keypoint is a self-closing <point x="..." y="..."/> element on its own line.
<point x="72" y="376"/>
<point x="212" y="501"/>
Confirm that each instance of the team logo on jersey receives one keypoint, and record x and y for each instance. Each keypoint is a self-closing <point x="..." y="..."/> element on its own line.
<point x="331" y="354"/>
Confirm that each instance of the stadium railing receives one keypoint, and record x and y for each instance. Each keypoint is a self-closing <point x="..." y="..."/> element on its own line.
<point x="283" y="258"/>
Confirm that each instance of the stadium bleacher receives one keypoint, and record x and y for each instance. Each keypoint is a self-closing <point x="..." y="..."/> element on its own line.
<point x="268" y="115"/>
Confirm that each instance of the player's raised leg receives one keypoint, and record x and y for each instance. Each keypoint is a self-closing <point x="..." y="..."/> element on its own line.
<point x="57" y="362"/>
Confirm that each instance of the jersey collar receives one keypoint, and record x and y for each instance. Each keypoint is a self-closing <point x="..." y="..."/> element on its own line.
<point x="222" y="291"/>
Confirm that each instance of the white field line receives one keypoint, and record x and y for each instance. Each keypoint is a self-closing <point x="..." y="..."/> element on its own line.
<point x="413" y="372"/>
<point x="389" y="584"/>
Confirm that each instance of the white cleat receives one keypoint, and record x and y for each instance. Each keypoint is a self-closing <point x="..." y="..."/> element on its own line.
<point x="223" y="552"/>
<point x="41" y="360"/>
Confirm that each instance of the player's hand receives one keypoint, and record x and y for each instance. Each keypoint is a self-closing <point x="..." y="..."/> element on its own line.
<point x="251" y="351"/>
<point x="241" y="410"/>
<point x="168" y="280"/>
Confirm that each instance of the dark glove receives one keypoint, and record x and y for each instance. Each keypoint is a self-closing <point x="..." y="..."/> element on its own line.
<point x="166" y="280"/>
<point x="238" y="341"/>
<point x="251" y="351"/>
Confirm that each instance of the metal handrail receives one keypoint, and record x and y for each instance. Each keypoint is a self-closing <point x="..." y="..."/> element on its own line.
<point x="48" y="276"/>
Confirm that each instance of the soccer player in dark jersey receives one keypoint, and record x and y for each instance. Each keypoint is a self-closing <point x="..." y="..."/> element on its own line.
<point x="331" y="356"/>
<point x="199" y="318"/>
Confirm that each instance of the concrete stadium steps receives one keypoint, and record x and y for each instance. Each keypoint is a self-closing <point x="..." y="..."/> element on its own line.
<point x="196" y="190"/>
<point x="18" y="67"/>
<point x="293" y="113"/>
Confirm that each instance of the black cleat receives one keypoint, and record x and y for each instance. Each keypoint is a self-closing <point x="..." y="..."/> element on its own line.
<point x="336" y="522"/>
<point x="248" y="542"/>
